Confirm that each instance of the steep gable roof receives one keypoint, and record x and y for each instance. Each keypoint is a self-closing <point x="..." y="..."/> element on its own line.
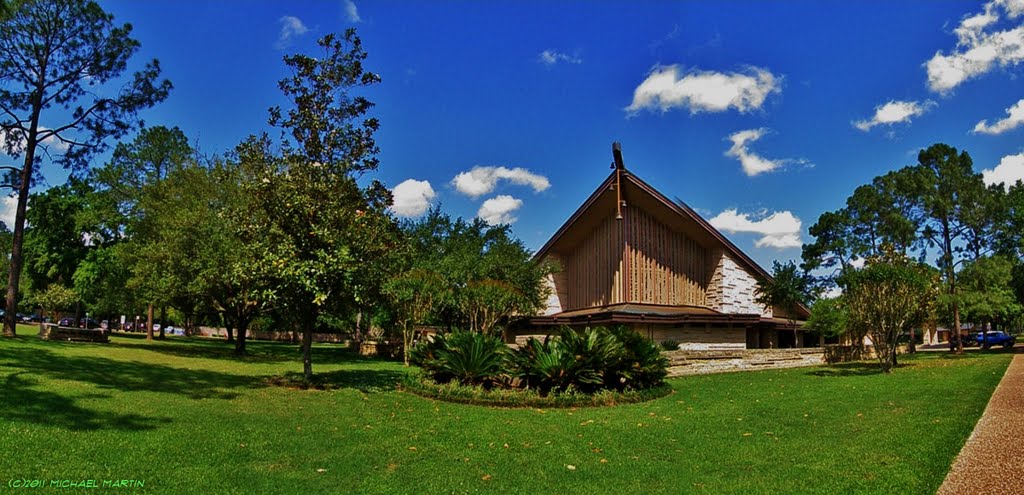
<point x="677" y="208"/>
<point x="638" y="193"/>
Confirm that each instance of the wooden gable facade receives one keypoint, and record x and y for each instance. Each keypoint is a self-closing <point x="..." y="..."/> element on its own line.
<point x="629" y="255"/>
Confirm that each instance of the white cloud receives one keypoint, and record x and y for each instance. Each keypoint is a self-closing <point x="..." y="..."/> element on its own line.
<point x="666" y="87"/>
<point x="352" y="12"/>
<point x="1014" y="118"/>
<point x="412" y="198"/>
<point x="1008" y="172"/>
<point x="482" y="180"/>
<point x="980" y="47"/>
<point x="779" y="230"/>
<point x="8" y="207"/>
<point x="551" y="57"/>
<point x="754" y="164"/>
<point x="894" y="112"/>
<point x="51" y="143"/>
<point x="498" y="210"/>
<point x="291" y="27"/>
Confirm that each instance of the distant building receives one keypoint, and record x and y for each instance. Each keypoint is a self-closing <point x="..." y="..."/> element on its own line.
<point x="631" y="256"/>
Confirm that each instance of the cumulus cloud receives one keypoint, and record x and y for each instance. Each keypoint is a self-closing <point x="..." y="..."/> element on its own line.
<point x="894" y="112"/>
<point x="291" y="27"/>
<point x="980" y="47"/>
<point x="1014" y="118"/>
<point x="752" y="163"/>
<point x="551" y="57"/>
<point x="482" y="180"/>
<point x="352" y="12"/>
<point x="1008" y="172"/>
<point x="51" y="143"/>
<point x="668" y="87"/>
<point x="499" y="210"/>
<point x="779" y="230"/>
<point x="8" y="207"/>
<point x="412" y="198"/>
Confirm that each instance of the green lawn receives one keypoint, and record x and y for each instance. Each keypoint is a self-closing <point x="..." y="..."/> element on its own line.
<point x="187" y="417"/>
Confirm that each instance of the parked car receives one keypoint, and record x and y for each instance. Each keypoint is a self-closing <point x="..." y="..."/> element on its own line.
<point x="989" y="339"/>
<point x="88" y="323"/>
<point x="66" y="322"/>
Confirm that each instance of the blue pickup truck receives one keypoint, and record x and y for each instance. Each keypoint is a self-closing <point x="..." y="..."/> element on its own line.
<point x="989" y="339"/>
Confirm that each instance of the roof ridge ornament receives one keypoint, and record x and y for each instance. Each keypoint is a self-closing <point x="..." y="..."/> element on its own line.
<point x="619" y="167"/>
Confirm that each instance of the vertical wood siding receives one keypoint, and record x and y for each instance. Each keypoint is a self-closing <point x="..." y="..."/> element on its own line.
<point x="667" y="267"/>
<point x="662" y="266"/>
<point x="594" y="268"/>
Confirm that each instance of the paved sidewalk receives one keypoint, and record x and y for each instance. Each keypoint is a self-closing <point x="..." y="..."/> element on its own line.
<point x="992" y="460"/>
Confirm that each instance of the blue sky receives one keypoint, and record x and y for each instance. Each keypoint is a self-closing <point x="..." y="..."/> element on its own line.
<point x="760" y="115"/>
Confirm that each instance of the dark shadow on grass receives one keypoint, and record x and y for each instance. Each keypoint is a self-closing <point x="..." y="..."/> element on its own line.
<point x="126" y="376"/>
<point x="207" y="349"/>
<point x="257" y="351"/>
<point x="853" y="369"/>
<point x="22" y="403"/>
<point x="366" y="381"/>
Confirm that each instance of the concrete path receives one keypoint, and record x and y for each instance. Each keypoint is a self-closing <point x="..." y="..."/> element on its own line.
<point x="992" y="460"/>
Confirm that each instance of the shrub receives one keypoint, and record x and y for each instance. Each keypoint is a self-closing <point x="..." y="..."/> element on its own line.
<point x="669" y="345"/>
<point x="422" y="385"/>
<point x="469" y="358"/>
<point x="560" y="364"/>
<point x="641" y="364"/>
<point x="590" y="362"/>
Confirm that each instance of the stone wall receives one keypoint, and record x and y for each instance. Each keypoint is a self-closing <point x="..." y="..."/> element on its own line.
<point x="691" y="362"/>
<point x="733" y="289"/>
<point x="695" y="337"/>
<point x="557" y="284"/>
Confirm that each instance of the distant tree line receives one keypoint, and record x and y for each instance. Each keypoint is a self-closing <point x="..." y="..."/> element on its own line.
<point x="925" y="245"/>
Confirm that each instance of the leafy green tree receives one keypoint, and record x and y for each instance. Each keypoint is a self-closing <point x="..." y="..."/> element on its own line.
<point x="890" y="296"/>
<point x="486" y="276"/>
<point x="951" y="198"/>
<point x="828" y="318"/>
<point x="56" y="241"/>
<point x="137" y="199"/>
<point x="986" y="294"/>
<point x="788" y="289"/>
<point x="309" y="194"/>
<point x="57" y="61"/>
<point x="412" y="293"/>
<point x="238" y="259"/>
<point x="876" y="214"/>
<point x="54" y="299"/>
<point x="101" y="281"/>
<point x="1009" y="239"/>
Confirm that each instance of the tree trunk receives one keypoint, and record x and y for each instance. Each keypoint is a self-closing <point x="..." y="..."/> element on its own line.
<point x="956" y="328"/>
<point x="163" y="321"/>
<point x="358" y="337"/>
<point x="406" y="342"/>
<point x="229" y="328"/>
<point x="912" y="345"/>
<point x="307" y="347"/>
<point x="243" y="326"/>
<point x="17" y="254"/>
<point x="149" y="322"/>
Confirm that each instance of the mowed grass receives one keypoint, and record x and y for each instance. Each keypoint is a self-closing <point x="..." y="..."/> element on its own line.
<point x="185" y="416"/>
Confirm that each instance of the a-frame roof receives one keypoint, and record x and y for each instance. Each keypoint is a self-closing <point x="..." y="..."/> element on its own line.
<point x="639" y="194"/>
<point x="634" y="184"/>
